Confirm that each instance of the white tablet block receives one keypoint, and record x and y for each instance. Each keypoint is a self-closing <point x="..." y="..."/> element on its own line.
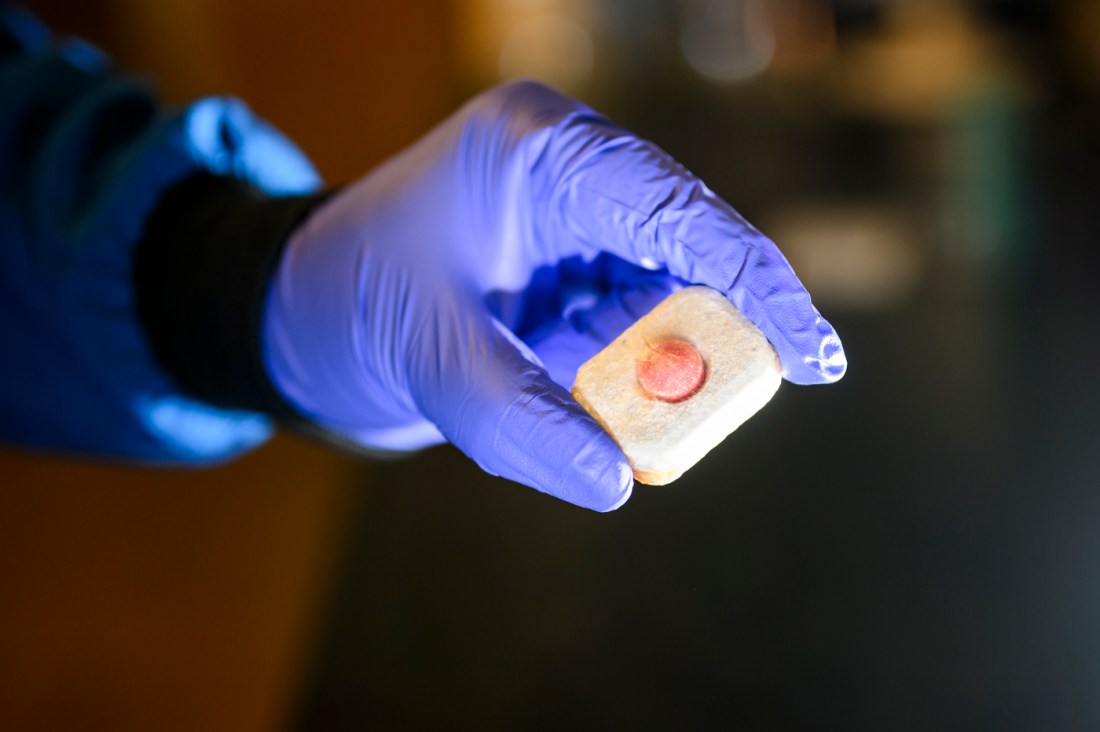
<point x="678" y="381"/>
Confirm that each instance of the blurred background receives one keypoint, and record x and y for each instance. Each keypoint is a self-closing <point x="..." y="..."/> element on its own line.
<point x="917" y="547"/>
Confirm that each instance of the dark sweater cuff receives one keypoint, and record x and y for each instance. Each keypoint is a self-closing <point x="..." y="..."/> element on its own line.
<point x="201" y="272"/>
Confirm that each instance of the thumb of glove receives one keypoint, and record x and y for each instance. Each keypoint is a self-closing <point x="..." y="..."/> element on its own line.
<point x="494" y="401"/>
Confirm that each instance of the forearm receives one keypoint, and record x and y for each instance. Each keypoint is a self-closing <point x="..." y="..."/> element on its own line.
<point x="89" y="158"/>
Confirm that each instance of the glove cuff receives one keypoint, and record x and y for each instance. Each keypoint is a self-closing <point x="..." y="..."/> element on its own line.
<point x="201" y="272"/>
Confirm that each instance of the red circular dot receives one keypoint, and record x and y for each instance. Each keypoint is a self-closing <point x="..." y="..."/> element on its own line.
<point x="672" y="371"/>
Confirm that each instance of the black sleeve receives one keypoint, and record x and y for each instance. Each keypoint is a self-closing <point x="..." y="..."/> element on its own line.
<point x="201" y="272"/>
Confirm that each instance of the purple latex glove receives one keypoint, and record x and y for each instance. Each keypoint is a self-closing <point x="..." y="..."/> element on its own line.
<point x="434" y="299"/>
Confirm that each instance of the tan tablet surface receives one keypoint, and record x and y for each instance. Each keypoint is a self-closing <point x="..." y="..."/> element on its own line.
<point x="678" y="381"/>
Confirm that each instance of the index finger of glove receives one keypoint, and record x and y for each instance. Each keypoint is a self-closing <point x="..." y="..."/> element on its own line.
<point x="621" y="194"/>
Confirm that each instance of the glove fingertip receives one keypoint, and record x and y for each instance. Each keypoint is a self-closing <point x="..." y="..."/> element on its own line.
<point x="588" y="470"/>
<point x="823" y="362"/>
<point x="609" y="490"/>
<point x="551" y="444"/>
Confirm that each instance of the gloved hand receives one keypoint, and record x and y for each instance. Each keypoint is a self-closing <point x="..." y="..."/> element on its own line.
<point x="435" y="298"/>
